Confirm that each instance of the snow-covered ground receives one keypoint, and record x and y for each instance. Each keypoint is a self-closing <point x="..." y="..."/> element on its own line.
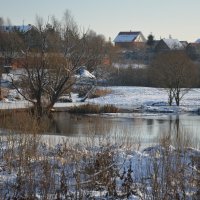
<point x="131" y="98"/>
<point x="104" y="172"/>
<point x="14" y="101"/>
<point x="148" y="99"/>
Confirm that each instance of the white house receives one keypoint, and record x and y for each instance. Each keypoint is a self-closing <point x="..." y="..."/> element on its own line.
<point x="169" y="44"/>
<point x="130" y="39"/>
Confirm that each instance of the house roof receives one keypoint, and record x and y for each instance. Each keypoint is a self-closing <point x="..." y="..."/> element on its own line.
<point x="126" y="36"/>
<point x="21" y="28"/>
<point x="184" y="43"/>
<point x="173" y="43"/>
<point x="194" y="44"/>
<point x="197" y="41"/>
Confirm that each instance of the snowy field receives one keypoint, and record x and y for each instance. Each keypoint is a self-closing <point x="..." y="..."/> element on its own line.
<point x="148" y="99"/>
<point x="130" y="98"/>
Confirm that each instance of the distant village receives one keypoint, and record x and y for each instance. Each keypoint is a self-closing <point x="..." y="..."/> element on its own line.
<point x="133" y="45"/>
<point x="143" y="49"/>
<point x="128" y="49"/>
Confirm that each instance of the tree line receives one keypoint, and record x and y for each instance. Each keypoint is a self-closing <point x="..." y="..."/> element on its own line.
<point x="171" y="70"/>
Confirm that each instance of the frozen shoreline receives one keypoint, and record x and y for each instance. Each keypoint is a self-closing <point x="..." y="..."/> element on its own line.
<point x="127" y="99"/>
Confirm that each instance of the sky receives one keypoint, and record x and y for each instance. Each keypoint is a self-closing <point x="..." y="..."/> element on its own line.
<point x="162" y="18"/>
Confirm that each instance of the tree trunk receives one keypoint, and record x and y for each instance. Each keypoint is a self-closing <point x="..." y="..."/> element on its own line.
<point x="0" y="89"/>
<point x="177" y="98"/>
<point x="170" y="97"/>
<point x="49" y="107"/>
<point x="177" y="102"/>
<point x="38" y="108"/>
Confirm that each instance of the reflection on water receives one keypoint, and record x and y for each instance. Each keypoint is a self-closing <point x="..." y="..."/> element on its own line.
<point x="142" y="128"/>
<point x="146" y="128"/>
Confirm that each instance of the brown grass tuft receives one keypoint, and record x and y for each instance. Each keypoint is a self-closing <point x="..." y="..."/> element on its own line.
<point x="93" y="109"/>
<point x="99" y="93"/>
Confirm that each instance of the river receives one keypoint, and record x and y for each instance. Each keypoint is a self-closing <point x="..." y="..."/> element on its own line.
<point x="143" y="129"/>
<point x="146" y="128"/>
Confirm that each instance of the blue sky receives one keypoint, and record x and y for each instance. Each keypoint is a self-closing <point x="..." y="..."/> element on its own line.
<point x="178" y="18"/>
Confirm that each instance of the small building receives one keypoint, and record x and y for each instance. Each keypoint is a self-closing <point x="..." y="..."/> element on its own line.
<point x="130" y="39"/>
<point x="168" y="44"/>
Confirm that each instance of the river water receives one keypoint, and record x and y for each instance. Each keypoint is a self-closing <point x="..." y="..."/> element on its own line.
<point x="143" y="129"/>
<point x="140" y="128"/>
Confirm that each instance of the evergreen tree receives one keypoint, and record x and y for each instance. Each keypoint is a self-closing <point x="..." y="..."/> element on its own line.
<point x="150" y="40"/>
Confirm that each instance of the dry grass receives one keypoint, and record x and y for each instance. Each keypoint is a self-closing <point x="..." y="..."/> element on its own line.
<point x="109" y="109"/>
<point x="99" y="93"/>
<point x="93" y="109"/>
<point x="69" y="171"/>
<point x="85" y="109"/>
<point x="23" y="121"/>
<point x="94" y="94"/>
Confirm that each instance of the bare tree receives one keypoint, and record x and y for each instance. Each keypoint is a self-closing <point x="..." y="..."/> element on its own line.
<point x="45" y="78"/>
<point x="47" y="72"/>
<point x="96" y="49"/>
<point x="174" y="72"/>
<point x="50" y="64"/>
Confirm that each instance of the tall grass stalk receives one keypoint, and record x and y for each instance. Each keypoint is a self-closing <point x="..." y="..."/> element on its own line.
<point x="35" y="167"/>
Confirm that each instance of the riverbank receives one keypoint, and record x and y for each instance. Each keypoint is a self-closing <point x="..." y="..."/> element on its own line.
<point x="126" y="99"/>
<point x="147" y="99"/>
